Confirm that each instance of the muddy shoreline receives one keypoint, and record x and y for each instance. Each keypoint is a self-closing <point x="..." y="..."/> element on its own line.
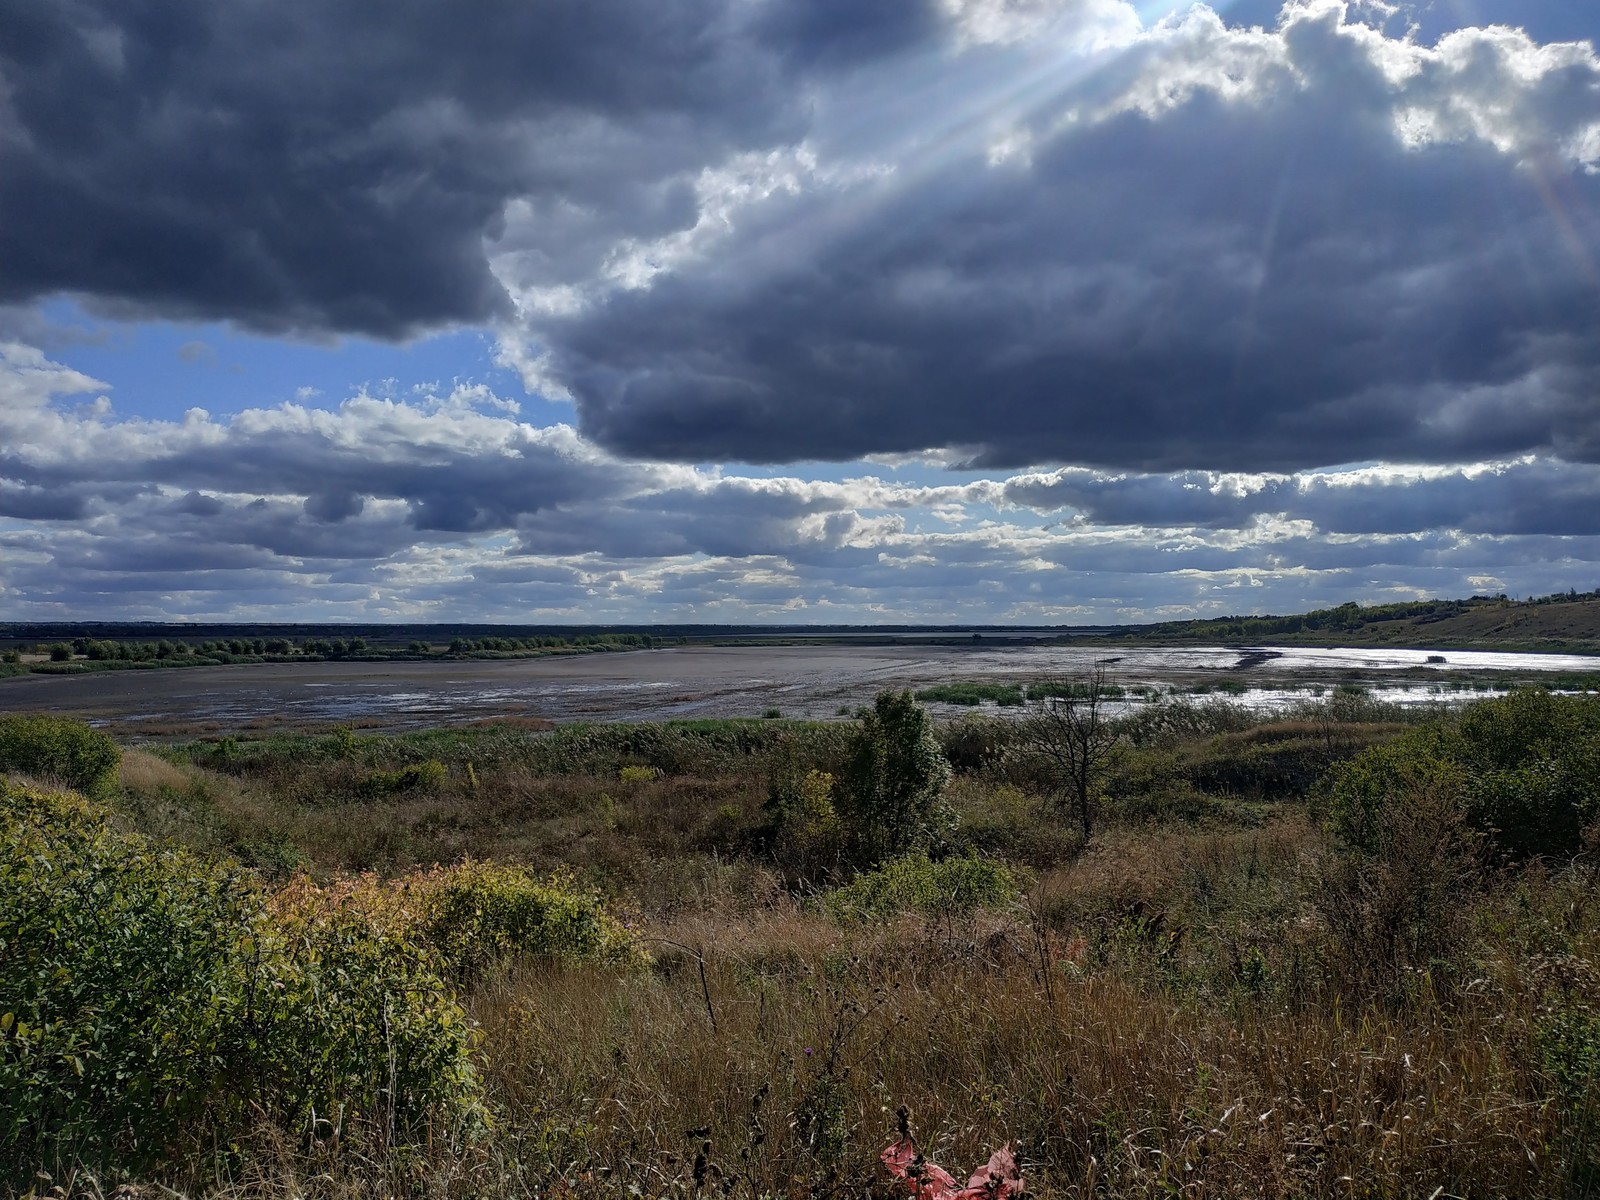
<point x="817" y="682"/>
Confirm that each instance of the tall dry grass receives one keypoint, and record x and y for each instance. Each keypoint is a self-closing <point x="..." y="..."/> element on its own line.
<point x="1171" y="1011"/>
<point x="1111" y="1087"/>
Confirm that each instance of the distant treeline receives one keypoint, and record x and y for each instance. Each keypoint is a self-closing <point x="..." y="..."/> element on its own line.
<point x="110" y="654"/>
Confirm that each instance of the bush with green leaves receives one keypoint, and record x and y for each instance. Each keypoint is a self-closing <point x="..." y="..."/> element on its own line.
<point x="120" y="984"/>
<point x="1524" y="767"/>
<point x="349" y="1026"/>
<point x="802" y="827"/>
<point x="59" y="749"/>
<point x="891" y="802"/>
<point x="952" y="887"/>
<point x="152" y="1002"/>
<point x="480" y="917"/>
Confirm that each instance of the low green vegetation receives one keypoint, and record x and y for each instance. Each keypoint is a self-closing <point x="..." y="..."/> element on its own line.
<point x="1347" y="943"/>
<point x="59" y="750"/>
<point x="480" y="917"/>
<point x="952" y="887"/>
<point x="1521" y="771"/>
<point x="970" y="695"/>
<point x="157" y="1004"/>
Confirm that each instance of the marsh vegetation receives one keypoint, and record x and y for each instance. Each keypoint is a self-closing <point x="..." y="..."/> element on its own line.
<point x="1349" y="950"/>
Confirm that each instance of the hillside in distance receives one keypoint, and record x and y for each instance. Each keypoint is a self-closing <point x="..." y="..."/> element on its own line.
<point x="1563" y="622"/>
<point x="1567" y="621"/>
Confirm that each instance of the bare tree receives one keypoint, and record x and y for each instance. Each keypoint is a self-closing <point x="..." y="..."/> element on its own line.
<point x="1072" y="732"/>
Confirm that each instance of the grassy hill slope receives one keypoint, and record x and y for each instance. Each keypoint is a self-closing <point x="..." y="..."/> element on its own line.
<point x="1555" y="623"/>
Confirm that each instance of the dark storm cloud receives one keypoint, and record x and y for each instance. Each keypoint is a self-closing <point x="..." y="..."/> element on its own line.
<point x="41" y="504"/>
<point x="842" y="33"/>
<point x="334" y="165"/>
<point x="779" y="230"/>
<point x="1534" y="496"/>
<point x="198" y="504"/>
<point x="1221" y="249"/>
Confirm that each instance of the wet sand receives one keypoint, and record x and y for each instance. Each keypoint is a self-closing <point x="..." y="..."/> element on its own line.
<point x="692" y="681"/>
<point x="654" y="684"/>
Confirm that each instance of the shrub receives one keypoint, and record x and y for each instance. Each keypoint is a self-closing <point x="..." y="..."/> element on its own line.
<point x="119" y="982"/>
<point x="1568" y="1039"/>
<point x="1399" y="892"/>
<point x="894" y="781"/>
<point x="59" y="749"/>
<point x="976" y="744"/>
<point x="952" y="887"/>
<point x="802" y="826"/>
<point x="1533" y="760"/>
<point x="350" y="1023"/>
<point x="1523" y="766"/>
<point x="479" y="917"/>
<point x="150" y="1000"/>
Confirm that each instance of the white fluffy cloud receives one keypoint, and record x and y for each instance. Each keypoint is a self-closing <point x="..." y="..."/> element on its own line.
<point x="447" y="506"/>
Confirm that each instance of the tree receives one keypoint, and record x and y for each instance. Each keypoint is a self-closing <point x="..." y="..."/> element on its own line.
<point x="1072" y="732"/>
<point x="894" y="781"/>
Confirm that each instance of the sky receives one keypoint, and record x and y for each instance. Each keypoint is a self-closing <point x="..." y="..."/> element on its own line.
<point x="794" y="311"/>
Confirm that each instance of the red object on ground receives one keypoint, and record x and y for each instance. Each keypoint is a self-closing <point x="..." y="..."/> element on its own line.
<point x="928" y="1181"/>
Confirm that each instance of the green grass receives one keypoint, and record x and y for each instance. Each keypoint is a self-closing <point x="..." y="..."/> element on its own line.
<point x="1065" y="689"/>
<point x="970" y="695"/>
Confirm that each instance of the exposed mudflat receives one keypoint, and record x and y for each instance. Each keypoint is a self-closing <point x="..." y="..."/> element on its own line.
<point x="706" y="681"/>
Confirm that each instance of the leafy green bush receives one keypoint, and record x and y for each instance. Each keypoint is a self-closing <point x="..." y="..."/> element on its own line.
<point x="894" y="780"/>
<point x="1399" y="892"/>
<point x="349" y="1024"/>
<point x="479" y="917"/>
<point x="1524" y="766"/>
<point x="1533" y="760"/>
<point x="59" y="749"/>
<point x="150" y="1001"/>
<point x="976" y="744"/>
<point x="120" y="983"/>
<point x="1568" y="1040"/>
<point x="802" y="830"/>
<point x="952" y="887"/>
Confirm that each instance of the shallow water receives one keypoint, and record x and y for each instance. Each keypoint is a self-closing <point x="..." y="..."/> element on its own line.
<point x="719" y="681"/>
